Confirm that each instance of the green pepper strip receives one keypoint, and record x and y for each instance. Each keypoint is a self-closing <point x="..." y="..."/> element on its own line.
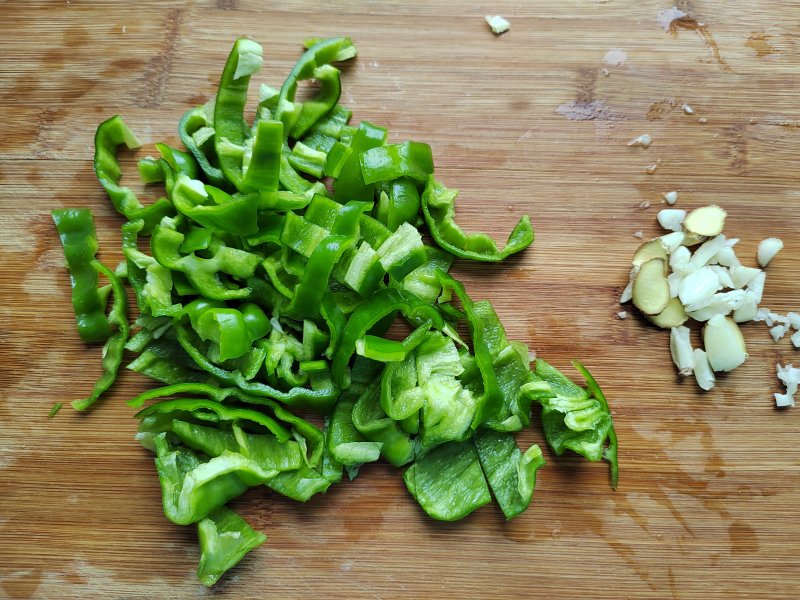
<point x="344" y="442"/>
<point x="225" y="538"/>
<point x="230" y="128"/>
<point x="191" y="489"/>
<point x="327" y="131"/>
<point x="491" y="400"/>
<point x="111" y="134"/>
<point x="214" y="411"/>
<point x="76" y="229"/>
<point x="386" y="163"/>
<point x="193" y="121"/>
<point x="321" y="399"/>
<point x="350" y="185"/>
<point x="312" y="434"/>
<point x="382" y="303"/>
<point x="203" y="273"/>
<point x="181" y="163"/>
<point x="115" y="345"/>
<point x="298" y="121"/>
<point x="370" y="419"/>
<point x="307" y="299"/>
<point x="399" y="203"/>
<point x="264" y="167"/>
<point x="610" y="453"/>
<point x="438" y="207"/>
<point x="214" y="208"/>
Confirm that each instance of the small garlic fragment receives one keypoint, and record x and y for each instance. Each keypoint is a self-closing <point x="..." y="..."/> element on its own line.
<point x="756" y="286"/>
<point x="767" y="250"/>
<point x="724" y="343"/>
<point x="671" y="219"/>
<point x="644" y="205"/>
<point x="717" y="304"/>
<point x="794" y="319"/>
<point x="707" y="251"/>
<point x="680" y="347"/>
<point x="778" y="331"/>
<point x="680" y="256"/>
<point x="643" y="140"/>
<point x="790" y="376"/>
<point x="727" y="257"/>
<point x="724" y="276"/>
<point x="622" y="315"/>
<point x="698" y="285"/>
<point x="671" y="198"/>
<point x="688" y="109"/>
<point x="674" y="281"/>
<point x="497" y="24"/>
<point x="650" y="169"/>
<point x="747" y="310"/>
<point x="627" y="293"/>
<point x="795" y="339"/>
<point x="638" y="234"/>
<point x="702" y="370"/>
<point x="742" y="276"/>
<point x="672" y="241"/>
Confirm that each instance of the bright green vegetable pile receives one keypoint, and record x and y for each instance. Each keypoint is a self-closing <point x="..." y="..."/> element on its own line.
<point x="265" y="292"/>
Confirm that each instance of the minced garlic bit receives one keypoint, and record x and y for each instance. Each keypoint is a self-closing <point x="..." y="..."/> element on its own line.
<point x="638" y="234"/>
<point x="498" y="24"/>
<point x="643" y="140"/>
<point x="671" y="198"/>
<point x="622" y="315"/>
<point x="790" y="376"/>
<point x="650" y="169"/>
<point x="688" y="109"/>
<point x="645" y="204"/>
<point x="767" y="250"/>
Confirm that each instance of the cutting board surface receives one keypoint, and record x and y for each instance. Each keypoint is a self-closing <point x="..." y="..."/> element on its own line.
<point x="534" y="121"/>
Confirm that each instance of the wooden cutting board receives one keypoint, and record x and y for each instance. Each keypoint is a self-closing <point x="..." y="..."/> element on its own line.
<point x="534" y="121"/>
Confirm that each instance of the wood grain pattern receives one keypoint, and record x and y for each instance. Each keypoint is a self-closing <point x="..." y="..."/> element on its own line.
<point x="709" y="500"/>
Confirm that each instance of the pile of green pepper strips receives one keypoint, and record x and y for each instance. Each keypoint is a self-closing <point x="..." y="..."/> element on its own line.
<point x="264" y="292"/>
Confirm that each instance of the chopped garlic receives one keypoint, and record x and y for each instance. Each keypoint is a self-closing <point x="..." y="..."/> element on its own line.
<point x="671" y="198"/>
<point x="688" y="109"/>
<point x="702" y="370"/>
<point x="681" y="349"/>
<point x="627" y="293"/>
<point x="674" y="281"/>
<point x="795" y="339"/>
<point x="622" y="315"/>
<point x="679" y="257"/>
<point x="767" y="250"/>
<point x="763" y="315"/>
<point x="671" y="219"/>
<point x="724" y="276"/>
<point x="757" y="286"/>
<point x="778" y="331"/>
<point x="672" y="241"/>
<point x="727" y="257"/>
<point x="638" y="234"/>
<point x="707" y="251"/>
<point x="742" y="276"/>
<point x="650" y="169"/>
<point x="643" y="140"/>
<point x="794" y="319"/>
<point x="498" y="24"/>
<point x="724" y="343"/>
<point x="716" y="304"/>
<point x="698" y="285"/>
<point x="790" y="376"/>
<point x="645" y="204"/>
<point x="747" y="310"/>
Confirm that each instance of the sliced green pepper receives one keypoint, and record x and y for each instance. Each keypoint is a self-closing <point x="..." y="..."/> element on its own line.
<point x="438" y="207"/>
<point x="448" y="482"/>
<point x="386" y="163"/>
<point x="111" y="134"/>
<point x="350" y="184"/>
<point x="76" y="229"/>
<point x="224" y="540"/>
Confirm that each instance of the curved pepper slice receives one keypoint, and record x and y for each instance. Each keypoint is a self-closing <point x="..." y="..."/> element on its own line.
<point x="214" y="208"/>
<point x="76" y="229"/>
<point x="195" y="129"/>
<point x="229" y="126"/>
<point x="224" y="538"/>
<point x="192" y="489"/>
<point x="382" y="303"/>
<point x="264" y="160"/>
<point x="111" y="134"/>
<point x="321" y="399"/>
<point x="151" y="281"/>
<point x="299" y="119"/>
<point x="438" y="207"/>
<point x="399" y="203"/>
<point x="115" y="345"/>
<point x="203" y="273"/>
<point x="386" y="163"/>
<point x="350" y="184"/>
